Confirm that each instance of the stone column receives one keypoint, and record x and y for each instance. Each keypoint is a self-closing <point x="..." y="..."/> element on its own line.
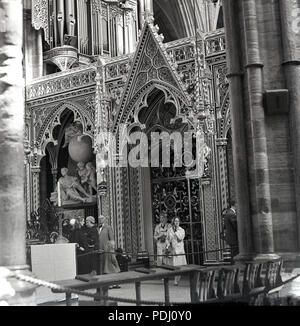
<point x="250" y="150"/>
<point x="222" y="172"/>
<point x="261" y="211"/>
<point x="33" y="49"/>
<point x="290" y="16"/>
<point x="102" y="109"/>
<point x="238" y="131"/>
<point x="12" y="206"/>
<point x="35" y="173"/>
<point x="54" y="176"/>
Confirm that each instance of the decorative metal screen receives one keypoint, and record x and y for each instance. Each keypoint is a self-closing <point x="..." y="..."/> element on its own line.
<point x="179" y="197"/>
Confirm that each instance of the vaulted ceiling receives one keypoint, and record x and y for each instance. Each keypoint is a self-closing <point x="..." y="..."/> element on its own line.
<point x="178" y="18"/>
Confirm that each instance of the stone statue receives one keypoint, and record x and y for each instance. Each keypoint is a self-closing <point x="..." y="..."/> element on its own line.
<point x="83" y="175"/>
<point x="74" y="130"/>
<point x="91" y="177"/>
<point x="71" y="189"/>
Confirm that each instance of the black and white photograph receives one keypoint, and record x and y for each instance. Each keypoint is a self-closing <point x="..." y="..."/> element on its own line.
<point x="150" y="156"/>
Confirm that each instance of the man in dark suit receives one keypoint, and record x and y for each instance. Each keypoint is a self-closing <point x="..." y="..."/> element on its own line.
<point x="105" y="235"/>
<point x="93" y="244"/>
<point x="231" y="229"/>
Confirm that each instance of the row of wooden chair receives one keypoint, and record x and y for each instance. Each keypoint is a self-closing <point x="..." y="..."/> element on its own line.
<point x="240" y="282"/>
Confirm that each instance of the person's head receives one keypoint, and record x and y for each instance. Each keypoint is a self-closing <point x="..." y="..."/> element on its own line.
<point x="80" y="165"/>
<point x="77" y="223"/>
<point x="102" y="220"/>
<point x="90" y="221"/>
<point x="89" y="166"/>
<point x="64" y="171"/>
<point x="176" y="221"/>
<point x="232" y="204"/>
<point x="163" y="218"/>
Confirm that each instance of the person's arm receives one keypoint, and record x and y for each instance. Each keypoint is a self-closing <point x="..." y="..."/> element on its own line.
<point x="169" y="238"/>
<point x="96" y="239"/>
<point x="180" y="234"/>
<point x="84" y="242"/>
<point x="110" y="233"/>
<point x="156" y="233"/>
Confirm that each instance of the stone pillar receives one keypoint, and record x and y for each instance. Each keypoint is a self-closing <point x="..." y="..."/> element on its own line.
<point x="261" y="211"/>
<point x="12" y="206"/>
<point x="35" y="173"/>
<point x="222" y="172"/>
<point x="102" y="109"/>
<point x="290" y="17"/>
<point x="33" y="49"/>
<point x="250" y="151"/>
<point x="238" y="131"/>
<point x="54" y="177"/>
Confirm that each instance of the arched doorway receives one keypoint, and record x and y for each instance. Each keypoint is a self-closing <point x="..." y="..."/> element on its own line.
<point x="167" y="187"/>
<point x="63" y="140"/>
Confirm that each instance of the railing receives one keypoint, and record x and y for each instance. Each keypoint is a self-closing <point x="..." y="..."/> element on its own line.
<point x="251" y="283"/>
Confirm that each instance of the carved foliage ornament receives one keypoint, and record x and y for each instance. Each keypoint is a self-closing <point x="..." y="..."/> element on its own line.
<point x="40" y="16"/>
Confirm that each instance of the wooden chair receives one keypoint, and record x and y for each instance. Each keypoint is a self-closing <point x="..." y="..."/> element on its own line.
<point x="207" y="281"/>
<point x="228" y="283"/>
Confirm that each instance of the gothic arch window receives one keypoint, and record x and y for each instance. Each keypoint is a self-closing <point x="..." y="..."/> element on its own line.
<point x="220" y="21"/>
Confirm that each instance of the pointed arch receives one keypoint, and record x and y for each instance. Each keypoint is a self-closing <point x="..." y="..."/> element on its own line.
<point x="45" y="134"/>
<point x="152" y="67"/>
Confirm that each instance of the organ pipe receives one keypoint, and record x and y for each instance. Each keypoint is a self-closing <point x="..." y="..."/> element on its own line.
<point x="98" y="26"/>
<point x="70" y="16"/>
<point x="60" y="7"/>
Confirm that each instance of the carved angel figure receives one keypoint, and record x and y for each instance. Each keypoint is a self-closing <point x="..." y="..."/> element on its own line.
<point x="91" y="177"/>
<point x="83" y="175"/>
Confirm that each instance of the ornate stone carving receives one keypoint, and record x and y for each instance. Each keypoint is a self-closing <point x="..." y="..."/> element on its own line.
<point x="46" y="118"/>
<point x="40" y="17"/>
<point x="60" y="83"/>
<point x="215" y="43"/>
<point x="71" y="190"/>
<point x="151" y="65"/>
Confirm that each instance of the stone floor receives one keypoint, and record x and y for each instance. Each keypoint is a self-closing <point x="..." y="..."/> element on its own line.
<point x="293" y="288"/>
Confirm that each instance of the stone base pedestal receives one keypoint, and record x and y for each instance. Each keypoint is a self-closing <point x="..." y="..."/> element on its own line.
<point x="25" y="292"/>
<point x="255" y="257"/>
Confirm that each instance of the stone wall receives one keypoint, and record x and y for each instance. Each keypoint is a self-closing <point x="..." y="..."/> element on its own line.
<point x="267" y="47"/>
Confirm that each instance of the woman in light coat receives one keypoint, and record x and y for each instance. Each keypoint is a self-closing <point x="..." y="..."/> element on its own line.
<point x="160" y="236"/>
<point x="175" y="245"/>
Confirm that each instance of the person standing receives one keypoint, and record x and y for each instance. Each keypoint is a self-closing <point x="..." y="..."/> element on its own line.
<point x="160" y="236"/>
<point x="105" y="235"/>
<point x="93" y="244"/>
<point x="231" y="230"/>
<point x="111" y="264"/>
<point x="78" y="236"/>
<point x="175" y="245"/>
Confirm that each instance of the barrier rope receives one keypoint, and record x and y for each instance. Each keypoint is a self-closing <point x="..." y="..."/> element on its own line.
<point x="61" y="289"/>
<point x="146" y="255"/>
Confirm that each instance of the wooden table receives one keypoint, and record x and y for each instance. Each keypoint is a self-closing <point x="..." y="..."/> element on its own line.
<point x="102" y="282"/>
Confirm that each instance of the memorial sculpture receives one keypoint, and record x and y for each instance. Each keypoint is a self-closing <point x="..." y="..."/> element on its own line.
<point x="87" y="175"/>
<point x="70" y="190"/>
<point x="83" y="175"/>
<point x="91" y="177"/>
